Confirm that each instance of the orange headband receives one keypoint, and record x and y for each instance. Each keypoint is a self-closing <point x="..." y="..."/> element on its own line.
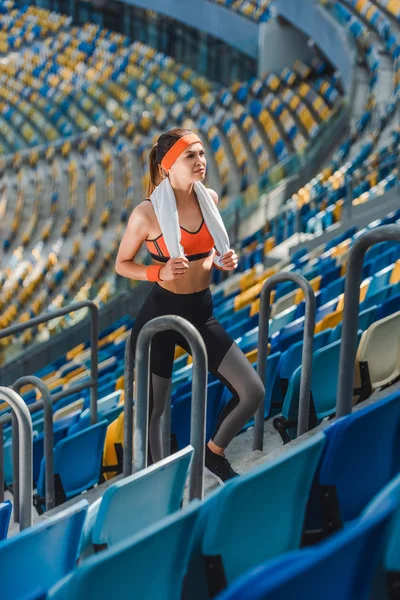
<point x="177" y="149"/>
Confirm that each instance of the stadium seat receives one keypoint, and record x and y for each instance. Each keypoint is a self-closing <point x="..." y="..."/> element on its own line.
<point x="77" y="464"/>
<point x="388" y="571"/>
<point x="361" y="455"/>
<point x="342" y="566"/>
<point x="127" y="507"/>
<point x="5" y="515"/>
<point x="388" y="307"/>
<point x="26" y="570"/>
<point x="378" y="357"/>
<point x="264" y="498"/>
<point x="324" y="377"/>
<point x="113" y="448"/>
<point x="130" y="565"/>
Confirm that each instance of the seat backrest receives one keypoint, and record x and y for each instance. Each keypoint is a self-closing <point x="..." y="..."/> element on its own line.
<point x="361" y="455"/>
<point x="74" y="407"/>
<point x="129" y="505"/>
<point x="5" y="515"/>
<point x="77" y="460"/>
<point x="390" y="561"/>
<point x="151" y="564"/>
<point x="380" y="349"/>
<point x="365" y="318"/>
<point x="379" y="281"/>
<point x="340" y="567"/>
<point x="271" y="502"/>
<point x="38" y="557"/>
<point x="182" y="409"/>
<point x="291" y="359"/>
<point x="279" y="321"/>
<point x="389" y="306"/>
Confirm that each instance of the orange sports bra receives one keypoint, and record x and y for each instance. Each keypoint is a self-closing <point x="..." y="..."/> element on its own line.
<point x="196" y="244"/>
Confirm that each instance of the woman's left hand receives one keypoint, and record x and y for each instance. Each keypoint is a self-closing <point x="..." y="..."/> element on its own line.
<point x="229" y="261"/>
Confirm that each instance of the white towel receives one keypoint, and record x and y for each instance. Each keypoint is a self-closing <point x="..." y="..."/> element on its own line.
<point x="164" y="204"/>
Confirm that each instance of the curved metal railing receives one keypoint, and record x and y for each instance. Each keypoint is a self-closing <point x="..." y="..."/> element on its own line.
<point x="199" y="397"/>
<point x="308" y="339"/>
<point x="24" y="423"/>
<point x="348" y="347"/>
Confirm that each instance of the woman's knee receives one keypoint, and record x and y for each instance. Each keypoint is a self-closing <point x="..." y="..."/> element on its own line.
<point x="255" y="392"/>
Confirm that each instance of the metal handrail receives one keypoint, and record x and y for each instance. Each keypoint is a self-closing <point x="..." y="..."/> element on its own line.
<point x="348" y="346"/>
<point x="306" y="363"/>
<point x="47" y="404"/>
<point x="24" y="421"/>
<point x="94" y="336"/>
<point x="199" y="397"/>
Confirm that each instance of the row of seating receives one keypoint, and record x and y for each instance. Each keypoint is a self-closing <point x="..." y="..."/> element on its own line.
<point x="316" y="220"/>
<point x="210" y="550"/>
<point x="256" y="10"/>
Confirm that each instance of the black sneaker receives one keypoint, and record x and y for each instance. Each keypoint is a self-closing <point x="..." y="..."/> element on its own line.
<point x="219" y="466"/>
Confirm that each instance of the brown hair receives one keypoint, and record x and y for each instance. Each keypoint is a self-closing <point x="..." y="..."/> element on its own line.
<point x="157" y="153"/>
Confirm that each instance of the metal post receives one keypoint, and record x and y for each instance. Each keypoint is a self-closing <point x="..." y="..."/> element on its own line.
<point x="166" y="427"/>
<point x="15" y="461"/>
<point x="306" y="363"/>
<point x="349" y="198"/>
<point x="94" y="360"/>
<point x="94" y="335"/>
<point x="128" y="410"/>
<point x="348" y="346"/>
<point x="199" y="394"/>
<point x="48" y="434"/>
<point x="25" y="453"/>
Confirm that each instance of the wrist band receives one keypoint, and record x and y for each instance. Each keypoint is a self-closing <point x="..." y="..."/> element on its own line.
<point x="153" y="273"/>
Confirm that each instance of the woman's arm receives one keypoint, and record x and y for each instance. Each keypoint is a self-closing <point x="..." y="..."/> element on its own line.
<point x="137" y="230"/>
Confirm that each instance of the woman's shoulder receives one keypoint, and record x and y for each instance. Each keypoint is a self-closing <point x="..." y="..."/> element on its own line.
<point x="144" y="211"/>
<point x="213" y="195"/>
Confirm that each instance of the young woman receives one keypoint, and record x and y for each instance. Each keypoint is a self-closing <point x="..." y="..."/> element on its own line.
<point x="182" y="288"/>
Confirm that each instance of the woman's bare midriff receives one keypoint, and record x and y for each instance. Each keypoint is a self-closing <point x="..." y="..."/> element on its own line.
<point x="196" y="278"/>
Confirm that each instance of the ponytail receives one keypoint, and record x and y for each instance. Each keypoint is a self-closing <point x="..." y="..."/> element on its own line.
<point x="156" y="173"/>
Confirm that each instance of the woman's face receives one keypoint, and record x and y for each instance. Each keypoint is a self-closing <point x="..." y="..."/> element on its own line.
<point x="191" y="165"/>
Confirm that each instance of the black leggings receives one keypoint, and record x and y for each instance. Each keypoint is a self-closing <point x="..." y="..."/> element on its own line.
<point x="225" y="360"/>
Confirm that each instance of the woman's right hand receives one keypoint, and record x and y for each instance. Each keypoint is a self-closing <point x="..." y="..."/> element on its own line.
<point x="174" y="269"/>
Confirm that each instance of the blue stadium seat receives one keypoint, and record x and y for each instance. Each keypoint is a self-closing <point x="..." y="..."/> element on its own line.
<point x="388" y="571"/>
<point x="264" y="498"/>
<point x="361" y="455"/>
<point x="77" y="463"/>
<point x="5" y="515"/>
<point x="35" y="559"/>
<point x="291" y="359"/>
<point x="128" y="507"/>
<point x="129" y="567"/>
<point x="341" y="567"/>
<point x="388" y="307"/>
<point x="325" y="372"/>
<point x="181" y="412"/>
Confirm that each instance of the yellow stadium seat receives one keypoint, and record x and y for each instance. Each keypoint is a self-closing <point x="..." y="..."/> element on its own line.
<point x="248" y="279"/>
<point x="363" y="293"/>
<point x="71" y="354"/>
<point x="246" y="297"/>
<point x="113" y="445"/>
<point x="395" y="274"/>
<point x="315" y="283"/>
<point x="120" y="383"/>
<point x="329" y="321"/>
